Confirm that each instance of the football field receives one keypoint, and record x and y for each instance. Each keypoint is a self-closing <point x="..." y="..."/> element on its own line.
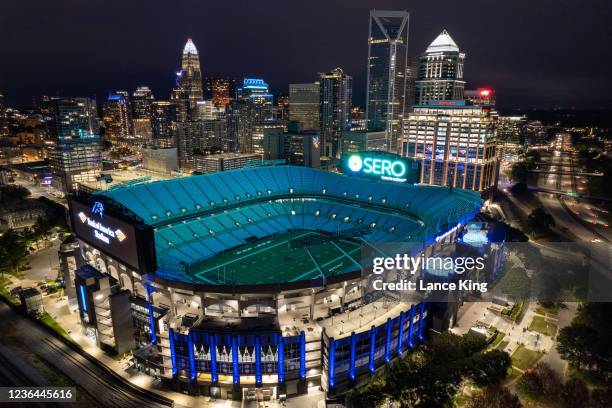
<point x="272" y="261"/>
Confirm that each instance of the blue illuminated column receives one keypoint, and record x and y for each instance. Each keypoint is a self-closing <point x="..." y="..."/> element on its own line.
<point x="257" y="360"/>
<point x="372" y="363"/>
<point x="151" y="320"/>
<point x="332" y="363"/>
<point x="281" y="359"/>
<point x="421" y="319"/>
<point x="388" y="341"/>
<point x="214" y="376"/>
<point x="352" y="361"/>
<point x="235" y="366"/>
<point x="302" y="355"/>
<point x="192" y="369"/>
<point x="400" y="336"/>
<point x="410" y="344"/>
<point x="172" y="352"/>
<point x="83" y="298"/>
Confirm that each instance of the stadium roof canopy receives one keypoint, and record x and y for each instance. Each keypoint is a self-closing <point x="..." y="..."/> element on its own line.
<point x="236" y="227"/>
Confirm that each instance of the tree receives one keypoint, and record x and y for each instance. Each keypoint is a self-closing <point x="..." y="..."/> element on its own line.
<point x="13" y="193"/>
<point x="541" y="219"/>
<point x="488" y="368"/>
<point x="574" y="394"/>
<point x="13" y="251"/>
<point x="601" y="398"/>
<point x="495" y="396"/>
<point x="586" y="342"/>
<point x="530" y="385"/>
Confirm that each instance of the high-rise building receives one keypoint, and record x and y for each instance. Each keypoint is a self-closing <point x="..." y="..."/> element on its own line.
<point x="297" y="147"/>
<point x="221" y="90"/>
<point x="257" y="90"/>
<point x="455" y="143"/>
<point x="282" y="107"/>
<point x="214" y="163"/>
<point x="116" y="117"/>
<point x="240" y="122"/>
<point x="75" y="153"/>
<point x="163" y="123"/>
<point x="142" y="112"/>
<point x="336" y="91"/>
<point x="387" y="70"/>
<point x="188" y="90"/>
<point x="440" y="75"/>
<point x="510" y="136"/>
<point x="198" y="138"/>
<point x="304" y="105"/>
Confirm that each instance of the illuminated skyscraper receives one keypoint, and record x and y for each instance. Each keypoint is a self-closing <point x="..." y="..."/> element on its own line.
<point x="142" y="110"/>
<point x="456" y="144"/>
<point x="304" y="105"/>
<point x="257" y="90"/>
<point x="387" y="70"/>
<point x="163" y="123"/>
<point x="440" y="75"/>
<point x="75" y="152"/>
<point x="221" y="90"/>
<point x="116" y="117"/>
<point x="336" y="90"/>
<point x="188" y="90"/>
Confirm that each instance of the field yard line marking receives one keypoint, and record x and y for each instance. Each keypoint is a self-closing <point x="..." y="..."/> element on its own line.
<point x="252" y="253"/>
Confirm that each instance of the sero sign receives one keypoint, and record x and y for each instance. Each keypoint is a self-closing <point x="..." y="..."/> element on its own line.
<point x="384" y="167"/>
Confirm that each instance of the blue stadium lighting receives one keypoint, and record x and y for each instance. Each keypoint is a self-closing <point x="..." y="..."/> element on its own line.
<point x="352" y="361"/>
<point x="388" y="341"/>
<point x="475" y="238"/>
<point x="421" y="319"/>
<point x="371" y="365"/>
<point x="83" y="298"/>
<point x="214" y="376"/>
<point x="192" y="369"/>
<point x="235" y="366"/>
<point x="257" y="360"/>
<point x="410" y="343"/>
<point x="151" y="318"/>
<point x="172" y="353"/>
<point x="302" y="356"/>
<point x="332" y="363"/>
<point x="281" y="359"/>
<point x="400" y="337"/>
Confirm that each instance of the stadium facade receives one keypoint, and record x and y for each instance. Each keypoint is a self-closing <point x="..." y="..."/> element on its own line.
<point x="248" y="282"/>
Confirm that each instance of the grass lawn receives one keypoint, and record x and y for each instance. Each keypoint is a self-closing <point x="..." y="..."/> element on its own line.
<point x="512" y="375"/>
<point x="552" y="311"/>
<point x="540" y="325"/>
<point x="497" y="340"/>
<point x="4" y="293"/>
<point x="524" y="358"/>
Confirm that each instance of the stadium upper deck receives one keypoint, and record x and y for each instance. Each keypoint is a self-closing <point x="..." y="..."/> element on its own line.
<point x="235" y="227"/>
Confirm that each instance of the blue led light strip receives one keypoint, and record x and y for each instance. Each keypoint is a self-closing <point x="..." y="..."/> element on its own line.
<point x="257" y="360"/>
<point x="83" y="298"/>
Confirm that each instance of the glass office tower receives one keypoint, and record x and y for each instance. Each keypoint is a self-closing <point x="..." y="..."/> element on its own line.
<point x="387" y="70"/>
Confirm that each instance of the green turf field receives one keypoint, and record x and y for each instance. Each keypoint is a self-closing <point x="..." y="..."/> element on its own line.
<point x="271" y="261"/>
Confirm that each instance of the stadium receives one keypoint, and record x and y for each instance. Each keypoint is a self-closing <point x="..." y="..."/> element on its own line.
<point x="248" y="282"/>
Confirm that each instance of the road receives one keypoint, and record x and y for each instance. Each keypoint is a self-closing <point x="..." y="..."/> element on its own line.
<point x="104" y="387"/>
<point x="585" y="220"/>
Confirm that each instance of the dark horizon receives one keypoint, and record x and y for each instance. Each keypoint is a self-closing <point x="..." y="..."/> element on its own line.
<point x="547" y="54"/>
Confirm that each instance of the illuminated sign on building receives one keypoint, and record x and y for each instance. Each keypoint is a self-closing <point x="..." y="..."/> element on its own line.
<point x="380" y="165"/>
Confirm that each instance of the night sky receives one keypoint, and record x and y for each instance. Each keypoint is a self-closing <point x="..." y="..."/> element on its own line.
<point x="534" y="53"/>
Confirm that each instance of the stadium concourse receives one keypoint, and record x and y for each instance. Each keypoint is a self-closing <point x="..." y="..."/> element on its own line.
<point x="251" y="268"/>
